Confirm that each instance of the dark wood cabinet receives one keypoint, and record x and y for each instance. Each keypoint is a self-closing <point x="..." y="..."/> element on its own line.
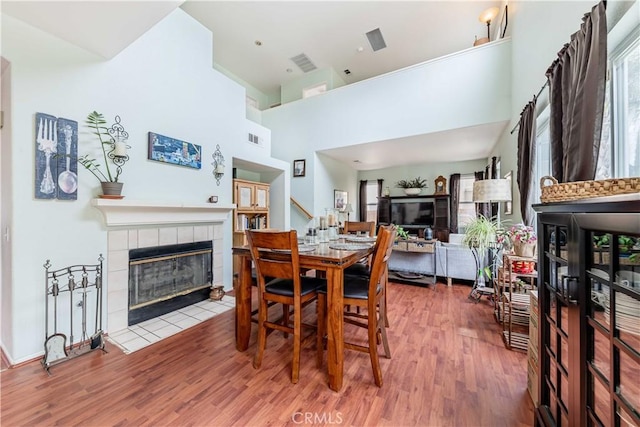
<point x="589" y="305"/>
<point x="384" y="210"/>
<point x="441" y="219"/>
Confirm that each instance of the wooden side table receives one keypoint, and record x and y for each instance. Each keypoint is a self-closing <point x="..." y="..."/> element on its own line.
<point x="514" y="309"/>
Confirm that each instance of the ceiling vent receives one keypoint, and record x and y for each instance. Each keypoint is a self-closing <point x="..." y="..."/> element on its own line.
<point x="376" y="40"/>
<point x="304" y="63"/>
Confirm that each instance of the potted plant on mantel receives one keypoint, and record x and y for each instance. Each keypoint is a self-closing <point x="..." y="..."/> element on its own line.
<point x="114" y="151"/>
<point x="412" y="187"/>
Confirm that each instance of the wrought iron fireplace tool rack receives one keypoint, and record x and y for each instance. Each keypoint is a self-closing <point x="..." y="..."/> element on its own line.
<point x="59" y="284"/>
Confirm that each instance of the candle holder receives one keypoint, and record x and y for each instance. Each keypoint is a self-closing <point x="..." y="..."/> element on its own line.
<point x="118" y="153"/>
<point x="332" y="223"/>
<point x="218" y="164"/>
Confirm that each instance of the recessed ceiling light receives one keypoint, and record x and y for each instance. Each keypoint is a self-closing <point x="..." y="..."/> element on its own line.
<point x="258" y="43"/>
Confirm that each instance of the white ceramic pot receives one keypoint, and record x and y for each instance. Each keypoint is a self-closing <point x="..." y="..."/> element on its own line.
<point x="412" y="191"/>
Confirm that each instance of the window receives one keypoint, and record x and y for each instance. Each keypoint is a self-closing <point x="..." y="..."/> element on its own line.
<point x="626" y="108"/>
<point x="314" y="90"/>
<point x="372" y="201"/>
<point x="466" y="208"/>
<point x="619" y="154"/>
<point x="542" y="164"/>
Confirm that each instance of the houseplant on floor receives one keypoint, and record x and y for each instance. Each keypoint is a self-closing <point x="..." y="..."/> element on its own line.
<point x="481" y="235"/>
<point x="114" y="150"/>
<point x="412" y="187"/>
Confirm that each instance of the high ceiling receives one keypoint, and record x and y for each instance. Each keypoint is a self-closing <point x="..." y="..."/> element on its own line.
<point x="333" y="35"/>
<point x="330" y="33"/>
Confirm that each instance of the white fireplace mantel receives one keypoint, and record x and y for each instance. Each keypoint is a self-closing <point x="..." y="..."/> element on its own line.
<point x="138" y="212"/>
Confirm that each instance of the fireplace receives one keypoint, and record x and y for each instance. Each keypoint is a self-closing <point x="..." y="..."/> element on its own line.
<point x="166" y="278"/>
<point x="136" y="224"/>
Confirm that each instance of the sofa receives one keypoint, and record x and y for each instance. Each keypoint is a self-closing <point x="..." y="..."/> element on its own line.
<point x="461" y="263"/>
<point x="452" y="260"/>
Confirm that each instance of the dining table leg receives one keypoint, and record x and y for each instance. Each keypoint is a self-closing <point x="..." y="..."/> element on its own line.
<point x="335" y="328"/>
<point x="243" y="303"/>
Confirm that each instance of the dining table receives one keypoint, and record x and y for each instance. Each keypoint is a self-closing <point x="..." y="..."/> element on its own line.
<point x="323" y="258"/>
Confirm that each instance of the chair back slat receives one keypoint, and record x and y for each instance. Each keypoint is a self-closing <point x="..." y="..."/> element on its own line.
<point x="351" y="227"/>
<point x="275" y="254"/>
<point x="381" y="254"/>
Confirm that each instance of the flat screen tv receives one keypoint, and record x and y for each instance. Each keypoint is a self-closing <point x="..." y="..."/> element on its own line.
<point x="408" y="213"/>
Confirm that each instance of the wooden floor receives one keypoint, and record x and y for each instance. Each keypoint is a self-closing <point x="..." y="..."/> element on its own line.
<point x="449" y="368"/>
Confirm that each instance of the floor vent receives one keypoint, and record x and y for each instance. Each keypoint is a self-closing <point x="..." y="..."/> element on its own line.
<point x="304" y="63"/>
<point x="376" y="40"/>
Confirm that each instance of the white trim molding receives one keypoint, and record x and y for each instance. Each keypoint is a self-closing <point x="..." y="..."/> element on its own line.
<point x="135" y="213"/>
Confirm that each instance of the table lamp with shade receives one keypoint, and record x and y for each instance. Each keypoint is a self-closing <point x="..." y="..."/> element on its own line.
<point x="348" y="209"/>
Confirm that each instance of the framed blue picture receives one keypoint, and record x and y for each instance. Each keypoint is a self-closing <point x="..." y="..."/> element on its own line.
<point x="174" y="151"/>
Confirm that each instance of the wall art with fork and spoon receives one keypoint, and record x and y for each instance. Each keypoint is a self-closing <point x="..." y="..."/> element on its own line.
<point x="56" y="158"/>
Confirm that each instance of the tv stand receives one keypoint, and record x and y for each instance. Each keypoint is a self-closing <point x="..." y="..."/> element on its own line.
<point x="412" y="259"/>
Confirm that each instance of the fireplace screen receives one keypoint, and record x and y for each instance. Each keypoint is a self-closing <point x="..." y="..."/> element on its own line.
<point x="167" y="272"/>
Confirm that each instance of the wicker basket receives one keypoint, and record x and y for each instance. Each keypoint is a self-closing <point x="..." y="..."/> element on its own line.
<point x="586" y="189"/>
<point x="420" y="246"/>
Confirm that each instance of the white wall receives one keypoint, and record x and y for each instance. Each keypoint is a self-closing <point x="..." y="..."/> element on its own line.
<point x="428" y="171"/>
<point x="292" y="90"/>
<point x="6" y="214"/>
<point x="165" y="83"/>
<point x="434" y="96"/>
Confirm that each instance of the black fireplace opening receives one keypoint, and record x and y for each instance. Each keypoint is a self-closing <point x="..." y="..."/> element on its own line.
<point x="163" y="279"/>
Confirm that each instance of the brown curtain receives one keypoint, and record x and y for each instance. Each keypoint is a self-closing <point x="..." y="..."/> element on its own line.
<point x="526" y="156"/>
<point x="494" y="175"/>
<point x="362" y="201"/>
<point x="454" y="191"/>
<point x="576" y="98"/>
<point x="482" y="208"/>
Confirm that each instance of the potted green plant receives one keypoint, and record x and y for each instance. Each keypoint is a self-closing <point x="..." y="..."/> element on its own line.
<point x="625" y="243"/>
<point x="113" y="152"/>
<point x="412" y="187"/>
<point x="401" y="233"/>
<point x="481" y="234"/>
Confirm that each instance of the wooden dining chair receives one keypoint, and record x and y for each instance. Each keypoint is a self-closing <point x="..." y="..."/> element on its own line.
<point x="276" y="258"/>
<point x="363" y="269"/>
<point x="352" y="227"/>
<point x="369" y="293"/>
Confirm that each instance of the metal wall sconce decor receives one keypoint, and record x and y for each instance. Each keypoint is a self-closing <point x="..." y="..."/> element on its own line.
<point x="218" y="164"/>
<point x="118" y="153"/>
